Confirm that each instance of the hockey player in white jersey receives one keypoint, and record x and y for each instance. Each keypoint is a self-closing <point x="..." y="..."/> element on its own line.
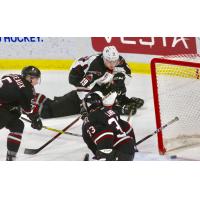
<point x="107" y="72"/>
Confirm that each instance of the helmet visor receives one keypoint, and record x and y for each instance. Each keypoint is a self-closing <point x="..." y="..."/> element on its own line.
<point x="110" y="64"/>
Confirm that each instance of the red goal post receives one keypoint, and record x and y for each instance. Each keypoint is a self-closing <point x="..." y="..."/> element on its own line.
<point x="173" y="78"/>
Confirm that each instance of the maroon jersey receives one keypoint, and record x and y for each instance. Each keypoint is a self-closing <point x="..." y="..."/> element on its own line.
<point x="16" y="91"/>
<point x="105" y="124"/>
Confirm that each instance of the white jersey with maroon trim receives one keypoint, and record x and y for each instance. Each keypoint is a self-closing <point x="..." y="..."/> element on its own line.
<point x="86" y="72"/>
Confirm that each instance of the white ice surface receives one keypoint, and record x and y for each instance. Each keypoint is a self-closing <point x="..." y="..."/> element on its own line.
<point x="66" y="147"/>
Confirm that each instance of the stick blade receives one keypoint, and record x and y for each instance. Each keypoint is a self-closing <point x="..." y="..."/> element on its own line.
<point x="31" y="151"/>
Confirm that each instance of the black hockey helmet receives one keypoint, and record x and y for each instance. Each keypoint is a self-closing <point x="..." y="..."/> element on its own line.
<point x="92" y="101"/>
<point x="31" y="71"/>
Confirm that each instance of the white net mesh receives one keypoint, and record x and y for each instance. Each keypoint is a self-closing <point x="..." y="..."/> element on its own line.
<point x="179" y="95"/>
<point x="195" y="58"/>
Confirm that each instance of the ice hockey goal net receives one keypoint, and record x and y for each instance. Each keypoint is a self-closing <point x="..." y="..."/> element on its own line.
<point x="176" y="90"/>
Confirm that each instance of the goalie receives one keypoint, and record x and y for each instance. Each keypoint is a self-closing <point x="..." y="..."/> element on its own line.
<point x="106" y="72"/>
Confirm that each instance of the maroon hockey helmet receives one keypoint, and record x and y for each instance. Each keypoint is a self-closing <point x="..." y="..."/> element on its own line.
<point x="31" y="71"/>
<point x="92" y="101"/>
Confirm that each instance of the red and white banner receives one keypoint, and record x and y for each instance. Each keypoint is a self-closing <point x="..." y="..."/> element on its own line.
<point x="148" y="45"/>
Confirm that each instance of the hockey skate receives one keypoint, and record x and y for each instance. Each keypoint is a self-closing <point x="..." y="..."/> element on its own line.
<point x="11" y="156"/>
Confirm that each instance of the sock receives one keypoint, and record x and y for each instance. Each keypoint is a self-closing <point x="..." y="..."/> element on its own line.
<point x="13" y="142"/>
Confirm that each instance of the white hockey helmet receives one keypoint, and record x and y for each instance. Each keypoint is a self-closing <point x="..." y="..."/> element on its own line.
<point x="111" y="54"/>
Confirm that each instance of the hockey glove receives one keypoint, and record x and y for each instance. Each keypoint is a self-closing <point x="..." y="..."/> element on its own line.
<point x="126" y="109"/>
<point x="36" y="122"/>
<point x="119" y="84"/>
<point x="123" y="106"/>
<point x="137" y="101"/>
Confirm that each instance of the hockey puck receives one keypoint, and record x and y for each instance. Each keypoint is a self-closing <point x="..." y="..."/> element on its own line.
<point x="173" y="157"/>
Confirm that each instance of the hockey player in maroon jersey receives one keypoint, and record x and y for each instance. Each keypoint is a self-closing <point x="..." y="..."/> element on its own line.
<point x="107" y="72"/>
<point x="106" y="135"/>
<point x="17" y="95"/>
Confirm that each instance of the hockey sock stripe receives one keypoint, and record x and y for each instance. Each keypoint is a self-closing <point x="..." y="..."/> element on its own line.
<point x="14" y="141"/>
<point x="40" y="109"/>
<point x="14" y="137"/>
<point x="40" y="98"/>
<point x="16" y="134"/>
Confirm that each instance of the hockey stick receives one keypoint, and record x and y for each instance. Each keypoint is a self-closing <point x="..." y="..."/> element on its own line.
<point x="129" y="116"/>
<point x="53" y="129"/>
<point x="35" y="151"/>
<point x="157" y="131"/>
